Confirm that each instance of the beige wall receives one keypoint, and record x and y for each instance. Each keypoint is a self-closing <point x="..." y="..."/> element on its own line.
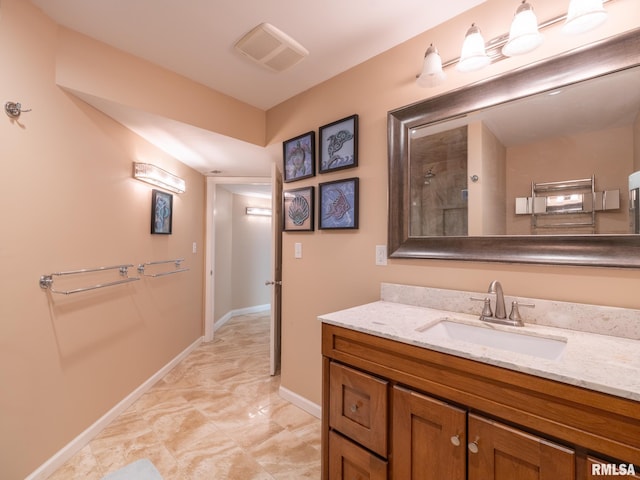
<point x="609" y="153"/>
<point x="251" y="253"/>
<point x="487" y="157"/>
<point x="69" y="202"/>
<point x="242" y="254"/>
<point x="223" y="244"/>
<point x="636" y="144"/>
<point x="338" y="269"/>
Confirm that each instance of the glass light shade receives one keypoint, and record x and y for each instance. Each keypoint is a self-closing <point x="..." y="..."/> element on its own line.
<point x="584" y="15"/>
<point x="432" y="73"/>
<point x="523" y="34"/>
<point x="153" y="175"/>
<point x="474" y="55"/>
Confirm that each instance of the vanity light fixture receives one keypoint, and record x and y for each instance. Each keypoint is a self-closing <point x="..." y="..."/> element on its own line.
<point x="432" y="72"/>
<point x="474" y="56"/>
<point x="262" y="212"/>
<point x="524" y="36"/>
<point x="584" y="15"/>
<point x="149" y="173"/>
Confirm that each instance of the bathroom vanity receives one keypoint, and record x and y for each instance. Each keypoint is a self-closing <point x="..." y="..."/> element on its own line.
<point x="405" y="398"/>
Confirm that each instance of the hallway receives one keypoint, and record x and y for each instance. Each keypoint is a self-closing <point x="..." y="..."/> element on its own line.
<point x="217" y="415"/>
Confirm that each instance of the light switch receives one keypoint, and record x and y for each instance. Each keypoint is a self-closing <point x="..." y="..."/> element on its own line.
<point x="194" y="249"/>
<point x="297" y="250"/>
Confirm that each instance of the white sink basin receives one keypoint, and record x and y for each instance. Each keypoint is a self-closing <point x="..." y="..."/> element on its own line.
<point x="487" y="336"/>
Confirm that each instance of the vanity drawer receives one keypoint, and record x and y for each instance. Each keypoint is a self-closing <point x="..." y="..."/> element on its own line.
<point x="349" y="461"/>
<point x="358" y="407"/>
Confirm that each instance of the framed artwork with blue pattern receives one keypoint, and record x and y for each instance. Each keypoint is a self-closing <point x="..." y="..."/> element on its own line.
<point x="299" y="155"/>
<point x="339" y="145"/>
<point x="338" y="204"/>
<point x="297" y="209"/>
<point x="161" y="212"/>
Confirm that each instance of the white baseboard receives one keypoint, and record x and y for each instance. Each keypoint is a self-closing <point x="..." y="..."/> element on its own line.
<point x="78" y="443"/>
<point x="240" y="311"/>
<point x="299" y="401"/>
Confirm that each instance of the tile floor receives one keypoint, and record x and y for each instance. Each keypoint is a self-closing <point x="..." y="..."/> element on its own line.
<point x="215" y="416"/>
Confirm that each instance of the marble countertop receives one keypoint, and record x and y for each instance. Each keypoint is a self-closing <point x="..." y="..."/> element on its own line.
<point x="598" y="362"/>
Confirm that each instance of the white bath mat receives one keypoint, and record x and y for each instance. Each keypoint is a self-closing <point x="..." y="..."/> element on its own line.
<point x="139" y="470"/>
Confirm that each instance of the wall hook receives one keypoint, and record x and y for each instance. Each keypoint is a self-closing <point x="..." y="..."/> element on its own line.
<point x="14" y="109"/>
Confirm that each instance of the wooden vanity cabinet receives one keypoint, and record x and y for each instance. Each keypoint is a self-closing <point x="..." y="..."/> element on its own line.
<point x="358" y="407"/>
<point x="433" y="440"/>
<point x="428" y="439"/>
<point x="445" y="417"/>
<point x="500" y="452"/>
<point x="349" y="461"/>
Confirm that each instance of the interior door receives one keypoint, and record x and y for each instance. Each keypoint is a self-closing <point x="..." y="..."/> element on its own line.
<point x="276" y="268"/>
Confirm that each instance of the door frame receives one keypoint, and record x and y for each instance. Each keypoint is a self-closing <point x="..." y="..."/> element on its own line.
<point x="209" y="281"/>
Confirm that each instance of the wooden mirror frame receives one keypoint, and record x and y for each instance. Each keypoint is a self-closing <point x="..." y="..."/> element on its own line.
<point x="594" y="60"/>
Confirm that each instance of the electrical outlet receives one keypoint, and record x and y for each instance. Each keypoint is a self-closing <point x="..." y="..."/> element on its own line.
<point x="381" y="254"/>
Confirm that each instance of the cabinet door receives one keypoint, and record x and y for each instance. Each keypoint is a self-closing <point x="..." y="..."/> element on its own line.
<point x="358" y="407"/>
<point x="348" y="461"/>
<point x="597" y="468"/>
<point x="504" y="453"/>
<point x="428" y="438"/>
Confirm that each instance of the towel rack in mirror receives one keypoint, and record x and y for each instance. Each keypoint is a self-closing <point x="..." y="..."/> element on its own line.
<point x="46" y="281"/>
<point x="177" y="262"/>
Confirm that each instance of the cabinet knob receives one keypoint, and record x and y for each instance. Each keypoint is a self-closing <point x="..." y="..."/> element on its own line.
<point x="473" y="446"/>
<point x="455" y="440"/>
<point x="354" y="408"/>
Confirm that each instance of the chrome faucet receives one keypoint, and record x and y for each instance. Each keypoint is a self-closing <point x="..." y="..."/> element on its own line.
<point x="500" y="315"/>
<point x="495" y="287"/>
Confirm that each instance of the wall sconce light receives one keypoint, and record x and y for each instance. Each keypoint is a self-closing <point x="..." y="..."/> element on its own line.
<point x="584" y="15"/>
<point x="149" y="173"/>
<point x="262" y="212"/>
<point x="523" y="37"/>
<point x="432" y="73"/>
<point x="473" y="56"/>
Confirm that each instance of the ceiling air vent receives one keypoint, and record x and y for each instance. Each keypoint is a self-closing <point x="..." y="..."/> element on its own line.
<point x="271" y="48"/>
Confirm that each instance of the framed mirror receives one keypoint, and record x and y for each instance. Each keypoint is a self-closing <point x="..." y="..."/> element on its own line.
<point x="472" y="177"/>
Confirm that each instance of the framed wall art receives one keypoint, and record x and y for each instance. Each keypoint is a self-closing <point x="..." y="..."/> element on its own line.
<point x="339" y="145"/>
<point x="161" y="212"/>
<point x="299" y="156"/>
<point x="297" y="209"/>
<point x="338" y="204"/>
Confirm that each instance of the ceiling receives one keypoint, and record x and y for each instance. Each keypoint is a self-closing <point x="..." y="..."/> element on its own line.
<point x="195" y="38"/>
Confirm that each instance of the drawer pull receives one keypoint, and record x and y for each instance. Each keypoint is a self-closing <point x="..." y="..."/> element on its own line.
<point x="473" y="446"/>
<point x="455" y="440"/>
<point x="354" y="408"/>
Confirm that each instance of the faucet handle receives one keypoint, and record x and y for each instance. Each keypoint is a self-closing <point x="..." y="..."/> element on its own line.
<point x="486" y="309"/>
<point x="515" y="311"/>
